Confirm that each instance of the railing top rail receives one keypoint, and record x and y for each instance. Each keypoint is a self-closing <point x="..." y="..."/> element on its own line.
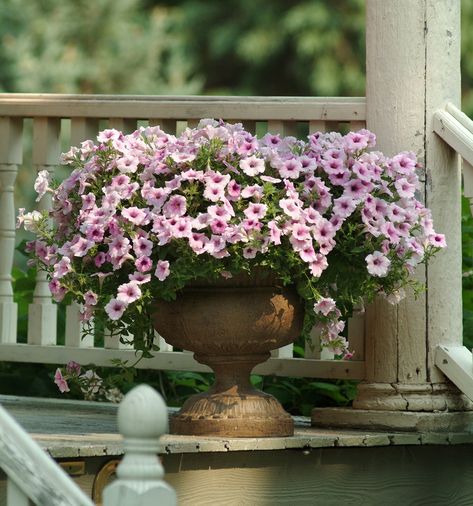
<point x="183" y="107"/>
<point x="456" y="129"/>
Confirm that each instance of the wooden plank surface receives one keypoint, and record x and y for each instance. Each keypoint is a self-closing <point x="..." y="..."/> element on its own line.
<point x="69" y="428"/>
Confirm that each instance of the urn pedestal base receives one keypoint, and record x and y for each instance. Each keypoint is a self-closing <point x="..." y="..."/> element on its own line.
<point x="232" y="407"/>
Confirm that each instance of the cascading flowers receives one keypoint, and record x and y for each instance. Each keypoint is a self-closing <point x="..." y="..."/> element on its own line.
<point x="141" y="215"/>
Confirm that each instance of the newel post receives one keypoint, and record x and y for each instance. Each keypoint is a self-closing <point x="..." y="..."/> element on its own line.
<point x="142" y="420"/>
<point x="413" y="69"/>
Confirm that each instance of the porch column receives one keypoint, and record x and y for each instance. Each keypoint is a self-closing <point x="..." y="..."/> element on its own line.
<point x="413" y="69"/>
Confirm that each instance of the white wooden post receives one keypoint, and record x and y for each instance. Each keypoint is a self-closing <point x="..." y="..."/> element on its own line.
<point x="10" y="158"/>
<point x="42" y="313"/>
<point x="142" y="419"/>
<point x="413" y="69"/>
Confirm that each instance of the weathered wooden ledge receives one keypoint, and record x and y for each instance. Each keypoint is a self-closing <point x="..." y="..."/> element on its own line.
<point x="70" y="429"/>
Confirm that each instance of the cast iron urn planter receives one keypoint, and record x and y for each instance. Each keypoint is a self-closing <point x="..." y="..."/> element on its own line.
<point x="231" y="326"/>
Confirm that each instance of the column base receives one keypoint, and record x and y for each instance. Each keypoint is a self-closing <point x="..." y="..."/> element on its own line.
<point x="365" y="419"/>
<point x="427" y="407"/>
<point x="411" y="397"/>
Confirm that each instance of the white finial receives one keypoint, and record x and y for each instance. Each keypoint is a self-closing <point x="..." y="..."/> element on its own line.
<point x="142" y="419"/>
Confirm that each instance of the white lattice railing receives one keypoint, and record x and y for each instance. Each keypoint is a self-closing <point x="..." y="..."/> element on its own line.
<point x="59" y="121"/>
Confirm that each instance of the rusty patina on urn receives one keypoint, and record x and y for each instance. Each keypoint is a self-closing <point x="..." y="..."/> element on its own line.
<point x="232" y="326"/>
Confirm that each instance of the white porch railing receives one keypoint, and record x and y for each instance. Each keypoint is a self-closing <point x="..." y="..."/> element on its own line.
<point x="63" y="120"/>
<point x="34" y="478"/>
<point x="456" y="129"/>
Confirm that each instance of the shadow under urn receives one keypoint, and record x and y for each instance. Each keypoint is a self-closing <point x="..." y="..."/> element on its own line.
<point x="231" y="326"/>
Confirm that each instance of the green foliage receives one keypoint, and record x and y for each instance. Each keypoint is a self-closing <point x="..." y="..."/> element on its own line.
<point x="299" y="395"/>
<point x="285" y="48"/>
<point x="76" y="47"/>
<point x="467" y="247"/>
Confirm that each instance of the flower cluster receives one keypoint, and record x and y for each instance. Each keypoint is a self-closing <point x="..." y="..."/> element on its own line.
<point x="141" y="215"/>
<point x="91" y="386"/>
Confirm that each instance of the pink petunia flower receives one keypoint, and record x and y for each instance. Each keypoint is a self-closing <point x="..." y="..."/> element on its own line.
<point x="378" y="264"/>
<point x="252" y="165"/>
<point x="437" y="240"/>
<point x="255" y="211"/>
<point x="90" y="298"/>
<point x="254" y="191"/>
<point x="129" y="292"/>
<point x="290" y="168"/>
<point x="62" y="268"/>
<point x="142" y="246"/>
<point x="115" y="309"/>
<point x="162" y="270"/>
<point x="73" y="368"/>
<point x="61" y="381"/>
<point x="139" y="277"/>
<point x="291" y="207"/>
<point x="318" y="265"/>
<point x="41" y="184"/>
<point x="135" y="215"/>
<point x="176" y="206"/>
<point x="143" y="264"/>
<point x="325" y="306"/>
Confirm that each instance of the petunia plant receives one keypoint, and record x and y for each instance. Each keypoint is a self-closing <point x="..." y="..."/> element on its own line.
<point x="142" y="215"/>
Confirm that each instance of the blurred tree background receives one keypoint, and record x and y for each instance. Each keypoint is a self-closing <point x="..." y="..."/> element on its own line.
<point x="231" y="47"/>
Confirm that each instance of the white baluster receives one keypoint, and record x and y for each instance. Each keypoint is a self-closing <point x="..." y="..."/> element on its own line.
<point x="163" y="345"/>
<point x="140" y="474"/>
<point x="42" y="313"/>
<point x="167" y="125"/>
<point x="75" y="328"/>
<point x="10" y="158"/>
<point x="312" y="344"/>
<point x="276" y="126"/>
<point x="83" y="129"/>
<point x="356" y="332"/>
<point x="113" y="341"/>
<point x="313" y="348"/>
<point x="125" y="125"/>
<point x="284" y="352"/>
<point x="317" y="126"/>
